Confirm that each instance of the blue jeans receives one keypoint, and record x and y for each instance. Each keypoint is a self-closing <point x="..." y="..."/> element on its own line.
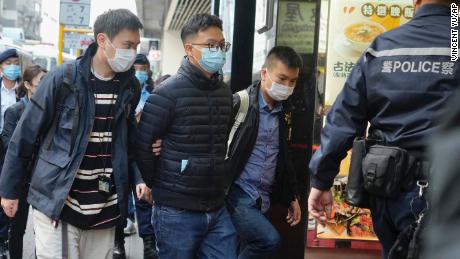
<point x="391" y="216"/>
<point x="185" y="234"/>
<point x="144" y="218"/>
<point x="258" y="236"/>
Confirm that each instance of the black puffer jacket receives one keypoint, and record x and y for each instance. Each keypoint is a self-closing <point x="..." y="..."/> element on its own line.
<point x="191" y="114"/>
<point x="284" y="189"/>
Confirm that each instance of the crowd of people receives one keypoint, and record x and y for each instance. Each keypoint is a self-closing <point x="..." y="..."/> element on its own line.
<point x="85" y="144"/>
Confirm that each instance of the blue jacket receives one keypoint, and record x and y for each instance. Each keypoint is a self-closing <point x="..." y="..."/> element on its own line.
<point x="400" y="86"/>
<point x="57" y="165"/>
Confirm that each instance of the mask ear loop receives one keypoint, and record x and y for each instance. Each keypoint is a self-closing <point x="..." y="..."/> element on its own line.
<point x="114" y="48"/>
<point x="193" y="55"/>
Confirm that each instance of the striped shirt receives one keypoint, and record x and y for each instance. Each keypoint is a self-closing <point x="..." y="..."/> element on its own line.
<point x="87" y="207"/>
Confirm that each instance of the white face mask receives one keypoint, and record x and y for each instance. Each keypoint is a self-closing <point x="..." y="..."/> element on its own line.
<point x="123" y="60"/>
<point x="279" y="92"/>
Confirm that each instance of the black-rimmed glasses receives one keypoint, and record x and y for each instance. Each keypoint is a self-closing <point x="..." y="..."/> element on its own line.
<point x="213" y="47"/>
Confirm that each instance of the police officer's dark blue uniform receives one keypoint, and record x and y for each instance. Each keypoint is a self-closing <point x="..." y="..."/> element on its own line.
<point x="399" y="86"/>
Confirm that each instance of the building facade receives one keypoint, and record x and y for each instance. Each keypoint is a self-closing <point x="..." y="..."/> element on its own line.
<point x="21" y="14"/>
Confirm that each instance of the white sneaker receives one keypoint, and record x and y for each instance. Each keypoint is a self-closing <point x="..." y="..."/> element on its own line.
<point x="130" y="228"/>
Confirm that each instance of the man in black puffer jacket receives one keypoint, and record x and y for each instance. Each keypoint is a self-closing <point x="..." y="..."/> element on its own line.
<point x="191" y="113"/>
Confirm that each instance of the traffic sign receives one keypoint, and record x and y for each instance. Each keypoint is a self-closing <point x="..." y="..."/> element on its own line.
<point x="77" y="40"/>
<point x="75" y="12"/>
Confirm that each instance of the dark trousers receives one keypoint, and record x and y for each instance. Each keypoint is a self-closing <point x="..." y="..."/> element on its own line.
<point x="4" y="220"/>
<point x="392" y="216"/>
<point x="119" y="229"/>
<point x="18" y="226"/>
<point x="4" y="225"/>
<point x="258" y="237"/>
<point x="119" y="233"/>
<point x="144" y="218"/>
<point x="143" y="211"/>
<point x="131" y="207"/>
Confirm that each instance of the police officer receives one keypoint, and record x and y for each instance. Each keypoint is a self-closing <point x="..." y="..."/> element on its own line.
<point x="11" y="71"/>
<point x="400" y="86"/>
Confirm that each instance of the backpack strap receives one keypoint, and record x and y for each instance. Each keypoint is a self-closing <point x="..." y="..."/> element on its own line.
<point x="63" y="92"/>
<point x="239" y="117"/>
<point x="70" y="81"/>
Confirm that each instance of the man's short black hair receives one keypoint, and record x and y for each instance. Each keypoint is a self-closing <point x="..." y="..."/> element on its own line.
<point x="114" y="21"/>
<point x="286" y="55"/>
<point x="199" y="22"/>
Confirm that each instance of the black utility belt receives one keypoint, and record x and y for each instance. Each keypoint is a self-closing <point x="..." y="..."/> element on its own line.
<point x="381" y="171"/>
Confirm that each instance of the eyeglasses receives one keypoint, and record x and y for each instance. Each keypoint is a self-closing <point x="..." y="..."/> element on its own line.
<point x="215" y="47"/>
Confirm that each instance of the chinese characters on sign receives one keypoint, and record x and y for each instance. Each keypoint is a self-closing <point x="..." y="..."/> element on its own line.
<point x="382" y="10"/>
<point x="297" y="25"/>
<point x="343" y="69"/>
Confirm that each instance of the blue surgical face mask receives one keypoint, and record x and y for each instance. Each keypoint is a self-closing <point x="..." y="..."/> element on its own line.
<point x="11" y="72"/>
<point x="212" y="61"/>
<point x="142" y="76"/>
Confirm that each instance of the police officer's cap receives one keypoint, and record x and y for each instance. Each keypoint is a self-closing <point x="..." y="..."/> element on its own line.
<point x="9" y="53"/>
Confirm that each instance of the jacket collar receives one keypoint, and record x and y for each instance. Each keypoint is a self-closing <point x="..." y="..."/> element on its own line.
<point x="432" y="10"/>
<point x="196" y="76"/>
<point x="85" y="65"/>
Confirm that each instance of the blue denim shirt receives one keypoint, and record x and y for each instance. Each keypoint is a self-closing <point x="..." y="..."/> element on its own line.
<point x="259" y="173"/>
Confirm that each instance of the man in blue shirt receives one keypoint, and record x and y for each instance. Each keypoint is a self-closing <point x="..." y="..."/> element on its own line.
<point x="258" y="157"/>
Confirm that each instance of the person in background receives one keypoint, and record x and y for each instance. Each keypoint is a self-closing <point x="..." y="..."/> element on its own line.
<point x="259" y="161"/>
<point x="144" y="75"/>
<point x="30" y="81"/>
<point x="84" y="113"/>
<point x="11" y="71"/>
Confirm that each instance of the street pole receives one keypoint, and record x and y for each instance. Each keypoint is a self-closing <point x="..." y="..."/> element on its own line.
<point x="61" y="43"/>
